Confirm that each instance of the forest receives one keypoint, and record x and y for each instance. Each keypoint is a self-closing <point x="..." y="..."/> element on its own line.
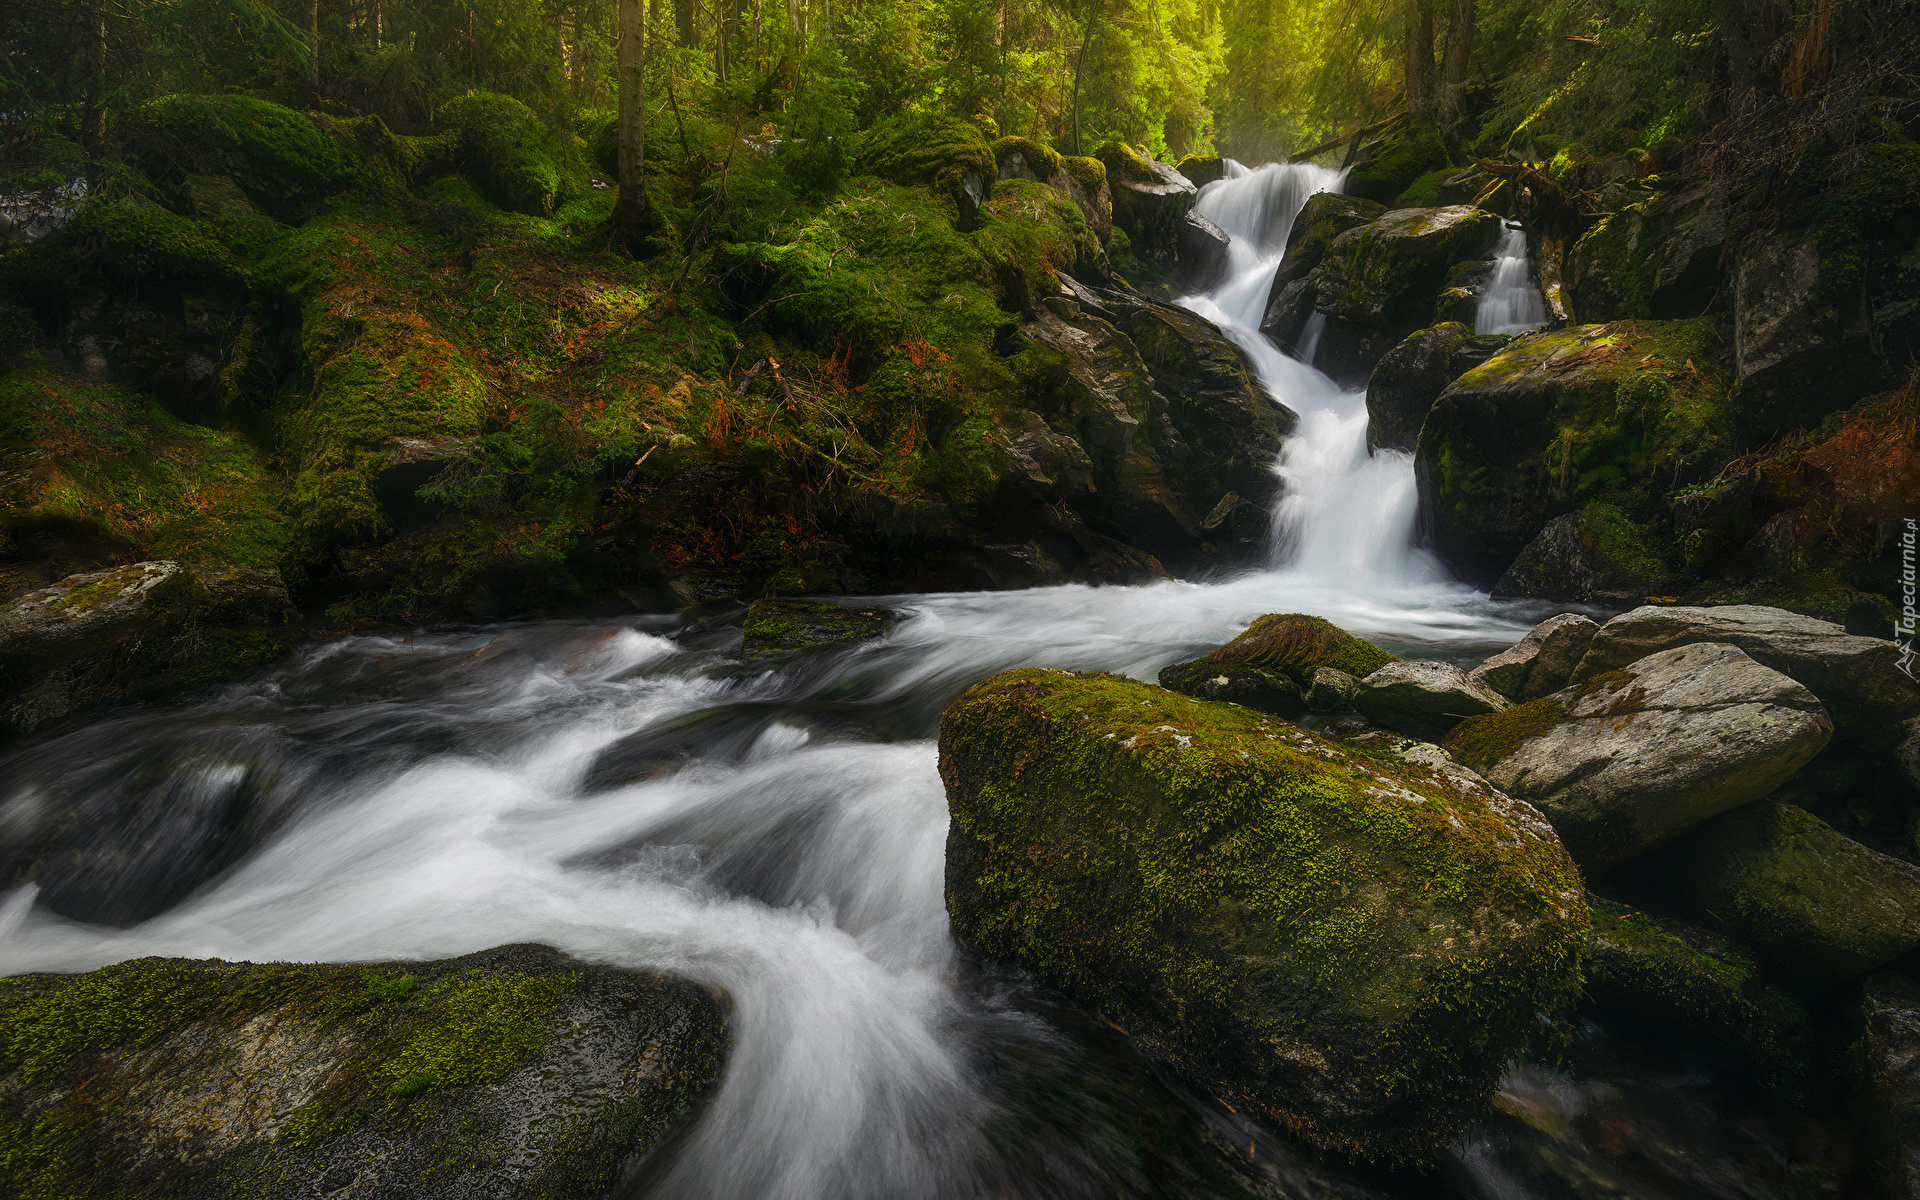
<point x="960" y="599"/>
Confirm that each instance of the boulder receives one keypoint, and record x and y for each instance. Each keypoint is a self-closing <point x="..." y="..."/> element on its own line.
<point x="1149" y="200"/>
<point x="1802" y="334"/>
<point x="512" y="1072"/>
<point x="933" y="150"/>
<point x="1379" y="282"/>
<point x="1081" y="180"/>
<point x="1271" y="664"/>
<point x="1424" y="699"/>
<point x="1594" y="556"/>
<point x="1906" y="753"/>
<point x="1886" y="1081"/>
<point x="1388" y="165"/>
<point x="1858" y="679"/>
<point x="147" y="629"/>
<point x="1561" y="419"/>
<point x="1541" y="662"/>
<point x="1331" y="691"/>
<point x="1346" y="945"/>
<point x="1697" y="992"/>
<point x="1658" y="259"/>
<point x="1632" y="758"/>
<point x="1201" y="247"/>
<point x="1324" y="217"/>
<point x="1202" y="169"/>
<point x="783" y="627"/>
<point x="1817" y="907"/>
<point x="1410" y="377"/>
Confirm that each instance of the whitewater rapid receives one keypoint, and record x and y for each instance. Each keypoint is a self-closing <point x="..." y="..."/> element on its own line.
<point x="432" y="796"/>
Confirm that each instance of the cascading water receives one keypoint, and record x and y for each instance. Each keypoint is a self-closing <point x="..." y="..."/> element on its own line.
<point x="1512" y="303"/>
<point x="1343" y="513"/>
<point x="379" y="798"/>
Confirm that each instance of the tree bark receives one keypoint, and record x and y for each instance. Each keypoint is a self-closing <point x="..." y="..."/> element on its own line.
<point x="631" y="212"/>
<point x="1079" y="60"/>
<point x="683" y="20"/>
<point x="1422" y="85"/>
<point x="93" y="120"/>
<point x="313" y="59"/>
<point x="1455" y="65"/>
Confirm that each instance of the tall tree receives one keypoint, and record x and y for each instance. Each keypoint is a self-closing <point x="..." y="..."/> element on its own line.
<point x="1422" y="83"/>
<point x="633" y="212"/>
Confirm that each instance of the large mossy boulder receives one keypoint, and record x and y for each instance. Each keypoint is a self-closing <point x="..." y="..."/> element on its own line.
<point x="523" y="165"/>
<point x="1351" y="946"/>
<point x="1814" y="905"/>
<point x="1634" y="757"/>
<point x="1594" y="556"/>
<point x="1393" y="162"/>
<point x="1324" y="217"/>
<point x="1558" y="420"/>
<point x="1378" y="282"/>
<point x="1270" y="665"/>
<point x="1696" y="992"/>
<point x="1659" y="259"/>
<point x="1149" y="200"/>
<point x="135" y="632"/>
<point x="283" y="160"/>
<point x="944" y="153"/>
<point x="1858" y="679"/>
<point x="1082" y="180"/>
<point x="512" y="1072"/>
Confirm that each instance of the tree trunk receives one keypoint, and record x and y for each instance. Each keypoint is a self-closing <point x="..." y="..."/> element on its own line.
<point x="376" y="21"/>
<point x="93" y="120"/>
<point x="1422" y="86"/>
<point x="1079" y="60"/>
<point x="683" y="20"/>
<point x="313" y="60"/>
<point x="632" y="213"/>
<point x="1455" y="65"/>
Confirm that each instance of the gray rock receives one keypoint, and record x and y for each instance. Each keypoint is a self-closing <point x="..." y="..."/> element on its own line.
<point x="1655" y="259"/>
<point x="1886" y="1081"/>
<point x="1799" y="353"/>
<point x="1541" y="662"/>
<point x="1150" y="207"/>
<point x="1858" y="679"/>
<point x="1239" y="683"/>
<point x="1424" y="699"/>
<point x="512" y="1072"/>
<point x="1332" y="691"/>
<point x="1815" y="906"/>
<point x="1907" y="753"/>
<point x="1593" y="556"/>
<point x="1644" y="754"/>
<point x="1202" y="249"/>
<point x="1408" y="379"/>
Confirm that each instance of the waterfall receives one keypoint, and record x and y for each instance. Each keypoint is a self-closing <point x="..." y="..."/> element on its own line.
<point x="1342" y="513"/>
<point x="1512" y="303"/>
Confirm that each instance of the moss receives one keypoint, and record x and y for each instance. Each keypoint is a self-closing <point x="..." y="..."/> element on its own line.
<point x="1244" y="896"/>
<point x="1424" y="192"/>
<point x="926" y="148"/>
<point x="478" y="1032"/>
<point x="1090" y="173"/>
<point x="1297" y="645"/>
<point x="1123" y="162"/>
<point x="276" y="154"/>
<point x="1043" y="161"/>
<point x="1409" y="150"/>
<point x="1490" y="737"/>
<point x="1202" y="169"/>
<point x="526" y="167"/>
<point x="774" y="628"/>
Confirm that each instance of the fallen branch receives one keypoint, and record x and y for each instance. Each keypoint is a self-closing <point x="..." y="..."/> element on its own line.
<point x="1343" y="139"/>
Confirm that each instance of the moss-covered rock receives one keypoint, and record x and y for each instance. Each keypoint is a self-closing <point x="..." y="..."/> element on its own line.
<point x="1270" y="665"/>
<point x="1598" y="555"/>
<point x="1558" y="420"/>
<point x="1149" y="200"/>
<point x="523" y="165"/>
<point x="1632" y="758"/>
<point x="515" y="1071"/>
<point x="1395" y="161"/>
<point x="780" y="628"/>
<point x="1290" y="298"/>
<point x="1698" y="992"/>
<point x="1353" y="946"/>
<point x="1410" y="377"/>
<point x="1659" y="259"/>
<point x="932" y="150"/>
<point x="280" y="157"/>
<point x="1815" y="906"/>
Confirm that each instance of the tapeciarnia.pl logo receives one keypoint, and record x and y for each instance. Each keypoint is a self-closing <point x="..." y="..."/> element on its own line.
<point x="1903" y="628"/>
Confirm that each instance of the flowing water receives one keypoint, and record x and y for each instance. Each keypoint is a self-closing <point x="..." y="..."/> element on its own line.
<point x="1512" y="303"/>
<point x="622" y="790"/>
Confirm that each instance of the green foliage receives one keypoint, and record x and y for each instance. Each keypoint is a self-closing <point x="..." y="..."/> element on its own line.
<point x="525" y="166"/>
<point x="1297" y="645"/>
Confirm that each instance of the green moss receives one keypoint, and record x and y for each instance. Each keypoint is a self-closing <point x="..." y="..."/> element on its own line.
<point x="1043" y="161"/>
<point x="1409" y="150"/>
<point x="1239" y="893"/>
<point x="1090" y="173"/>
<point x="925" y="148"/>
<point x="1424" y="192"/>
<point x="1123" y="162"/>
<point x="526" y="167"/>
<point x="1489" y="737"/>
<point x="276" y="154"/>
<point x="1297" y="645"/>
<point x="775" y="628"/>
<point x="479" y="1030"/>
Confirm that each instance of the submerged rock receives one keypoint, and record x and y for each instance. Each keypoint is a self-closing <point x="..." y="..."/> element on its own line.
<point x="1632" y="758"/>
<point x="1858" y="679"/>
<point x="1271" y="664"/>
<point x="782" y="627"/>
<point x="512" y="1072"/>
<point x="1541" y="662"/>
<point x="1352" y="946"/>
<point x="1814" y="905"/>
<point x="1697" y="992"/>
<point x="1424" y="699"/>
